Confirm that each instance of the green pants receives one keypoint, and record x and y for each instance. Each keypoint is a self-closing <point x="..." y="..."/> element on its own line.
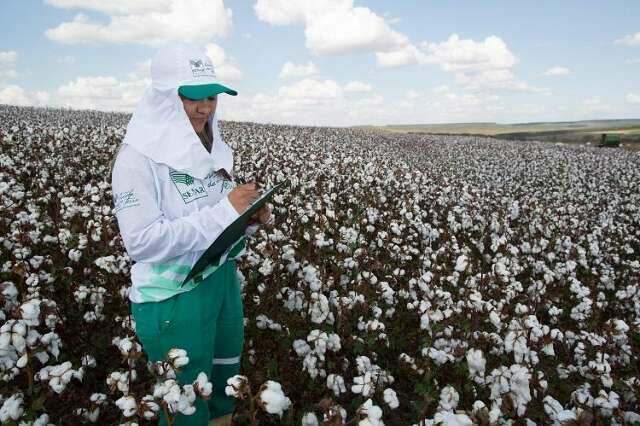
<point x="208" y="323"/>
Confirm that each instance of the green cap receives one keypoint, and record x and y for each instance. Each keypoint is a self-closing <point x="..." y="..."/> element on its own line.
<point x="202" y="91"/>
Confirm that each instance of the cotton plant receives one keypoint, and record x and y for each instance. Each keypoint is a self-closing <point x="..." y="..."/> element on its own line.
<point x="167" y="396"/>
<point x="458" y="252"/>
<point x="370" y="414"/>
<point x="270" y="397"/>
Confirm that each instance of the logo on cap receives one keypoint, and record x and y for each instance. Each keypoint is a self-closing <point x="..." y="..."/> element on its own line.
<point x="201" y="68"/>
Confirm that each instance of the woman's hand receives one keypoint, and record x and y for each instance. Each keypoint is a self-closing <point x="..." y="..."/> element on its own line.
<point x="242" y="196"/>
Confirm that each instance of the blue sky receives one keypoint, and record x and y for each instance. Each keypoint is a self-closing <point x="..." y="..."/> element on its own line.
<point x="349" y="62"/>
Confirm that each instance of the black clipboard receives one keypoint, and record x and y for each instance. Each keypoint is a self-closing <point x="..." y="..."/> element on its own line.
<point x="230" y="235"/>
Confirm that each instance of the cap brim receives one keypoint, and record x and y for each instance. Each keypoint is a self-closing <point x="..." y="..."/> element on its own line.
<point x="202" y="91"/>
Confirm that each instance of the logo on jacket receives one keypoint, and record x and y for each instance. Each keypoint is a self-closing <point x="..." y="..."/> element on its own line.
<point x="124" y="200"/>
<point x="200" y="68"/>
<point x="187" y="186"/>
<point x="181" y="178"/>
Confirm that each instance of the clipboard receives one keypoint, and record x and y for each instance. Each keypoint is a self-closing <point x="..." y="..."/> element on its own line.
<point x="230" y="235"/>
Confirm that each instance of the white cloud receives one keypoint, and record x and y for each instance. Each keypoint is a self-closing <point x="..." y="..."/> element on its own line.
<point x="226" y="69"/>
<point x="498" y="79"/>
<point x="16" y="95"/>
<point x="291" y="70"/>
<point x="405" y="55"/>
<point x="7" y="74"/>
<point x="630" y="40"/>
<point x="102" y="93"/>
<point x="141" y="70"/>
<point x="357" y="86"/>
<point x="633" y="61"/>
<point x="8" y="61"/>
<point x="66" y="60"/>
<point x="555" y="71"/>
<point x="592" y="101"/>
<point x="595" y="107"/>
<point x="336" y="26"/>
<point x="144" y="22"/>
<point x="371" y="101"/>
<point x="311" y="90"/>
<point x="459" y="55"/>
<point x="443" y="88"/>
<point x="633" y="98"/>
<point x="333" y="26"/>
<point x="8" y="58"/>
<point x="114" y="7"/>
<point x="484" y="65"/>
<point x="411" y="95"/>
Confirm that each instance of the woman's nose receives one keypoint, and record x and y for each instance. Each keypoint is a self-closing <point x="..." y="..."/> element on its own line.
<point x="205" y="106"/>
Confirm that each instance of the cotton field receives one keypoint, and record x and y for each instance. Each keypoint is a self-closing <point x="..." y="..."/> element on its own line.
<point x="408" y="279"/>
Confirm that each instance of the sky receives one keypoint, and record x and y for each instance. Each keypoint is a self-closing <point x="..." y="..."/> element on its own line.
<point x="337" y="62"/>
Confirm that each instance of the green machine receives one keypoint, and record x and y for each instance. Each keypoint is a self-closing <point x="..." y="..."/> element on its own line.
<point x="609" y="140"/>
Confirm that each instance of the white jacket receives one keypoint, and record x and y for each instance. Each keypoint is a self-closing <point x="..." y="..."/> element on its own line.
<point x="170" y="200"/>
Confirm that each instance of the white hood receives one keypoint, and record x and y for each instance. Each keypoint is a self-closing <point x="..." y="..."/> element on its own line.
<point x="160" y="130"/>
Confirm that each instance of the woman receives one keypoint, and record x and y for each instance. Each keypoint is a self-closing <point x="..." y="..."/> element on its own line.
<point x="174" y="194"/>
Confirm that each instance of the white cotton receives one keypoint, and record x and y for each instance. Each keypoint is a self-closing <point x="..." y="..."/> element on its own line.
<point x="606" y="402"/>
<point x="373" y="414"/>
<point x="301" y="347"/>
<point x="202" y="385"/>
<point x="555" y="411"/>
<point x="495" y="319"/>
<point x="461" y="263"/>
<point x="448" y="418"/>
<point x="363" y="385"/>
<point x="267" y="267"/>
<point x="31" y="312"/>
<point x="319" y="308"/>
<point x="310" y="419"/>
<point x="449" y="399"/>
<point x="274" y="400"/>
<point x="12" y="408"/>
<point x="127" y="405"/>
<point x="476" y="362"/>
<point x="311" y="278"/>
<point x="235" y="386"/>
<point x="519" y="385"/>
<point x="336" y="384"/>
<point x="391" y="398"/>
<point x="75" y="255"/>
<point x="178" y="357"/>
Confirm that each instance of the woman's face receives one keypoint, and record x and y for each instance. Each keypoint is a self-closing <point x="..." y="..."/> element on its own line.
<point x="199" y="111"/>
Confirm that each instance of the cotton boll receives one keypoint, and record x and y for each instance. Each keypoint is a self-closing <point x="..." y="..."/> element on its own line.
<point x="476" y="363"/>
<point x="178" y="357"/>
<point x="372" y="414"/>
<point x="128" y="405"/>
<point x="556" y="412"/>
<point x="31" y="312"/>
<point x="451" y="419"/>
<point x="336" y="384"/>
<point x="310" y="419"/>
<point x="391" y="398"/>
<point x="236" y="386"/>
<point x="273" y="399"/>
<point x="363" y="385"/>
<point x="449" y="399"/>
<point x="12" y="408"/>
<point x="461" y="263"/>
<point x="22" y="361"/>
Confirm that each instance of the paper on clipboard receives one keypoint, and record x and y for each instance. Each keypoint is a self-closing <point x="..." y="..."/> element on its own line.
<point x="230" y="235"/>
